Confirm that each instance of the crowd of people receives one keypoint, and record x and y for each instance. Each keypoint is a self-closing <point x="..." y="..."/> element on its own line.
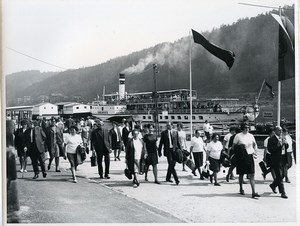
<point x="57" y="138"/>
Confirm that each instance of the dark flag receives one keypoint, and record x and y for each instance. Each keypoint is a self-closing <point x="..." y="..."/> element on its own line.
<point x="225" y="55"/>
<point x="270" y="88"/>
<point x="286" y="52"/>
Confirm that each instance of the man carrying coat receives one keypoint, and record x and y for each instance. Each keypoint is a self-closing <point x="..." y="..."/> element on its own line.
<point x="169" y="139"/>
<point x="277" y="148"/>
<point x="35" y="143"/>
<point x="101" y="143"/>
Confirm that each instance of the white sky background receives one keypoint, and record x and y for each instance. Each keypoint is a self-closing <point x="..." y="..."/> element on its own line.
<point x="82" y="33"/>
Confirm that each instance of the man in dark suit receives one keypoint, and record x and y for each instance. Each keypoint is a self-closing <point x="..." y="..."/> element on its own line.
<point x="35" y="143"/>
<point x="116" y="140"/>
<point x="277" y="149"/>
<point x="125" y="133"/>
<point x="169" y="139"/>
<point x="101" y="143"/>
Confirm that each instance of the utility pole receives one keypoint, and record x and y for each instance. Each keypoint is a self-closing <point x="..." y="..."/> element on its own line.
<point x="155" y="72"/>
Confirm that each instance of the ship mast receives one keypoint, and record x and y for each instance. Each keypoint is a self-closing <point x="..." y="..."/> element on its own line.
<point x="191" y="102"/>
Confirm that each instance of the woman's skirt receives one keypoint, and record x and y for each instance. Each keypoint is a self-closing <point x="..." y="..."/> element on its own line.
<point x="72" y="159"/>
<point x="54" y="152"/>
<point x="152" y="159"/>
<point x="214" y="165"/>
<point x="116" y="146"/>
<point x="198" y="158"/>
<point x="245" y="165"/>
<point x="21" y="153"/>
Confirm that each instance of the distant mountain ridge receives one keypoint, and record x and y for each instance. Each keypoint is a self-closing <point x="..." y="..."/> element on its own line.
<point x="254" y="42"/>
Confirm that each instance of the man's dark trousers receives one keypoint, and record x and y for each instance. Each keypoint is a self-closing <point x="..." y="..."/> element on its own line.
<point x="171" y="166"/>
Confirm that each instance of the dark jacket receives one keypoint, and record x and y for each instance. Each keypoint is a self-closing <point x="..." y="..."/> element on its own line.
<point x="39" y="139"/>
<point x="275" y="149"/>
<point x="164" y="141"/>
<point x="97" y="137"/>
<point x="125" y="133"/>
<point x="130" y="154"/>
<point x="114" y="143"/>
<point x="20" y="139"/>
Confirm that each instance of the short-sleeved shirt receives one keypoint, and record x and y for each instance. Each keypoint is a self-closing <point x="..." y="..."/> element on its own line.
<point x="248" y="140"/>
<point x="214" y="149"/>
<point x="289" y="141"/>
<point x="206" y="127"/>
<point x="72" y="141"/>
<point x="182" y="139"/>
<point x="197" y="144"/>
<point x="226" y="138"/>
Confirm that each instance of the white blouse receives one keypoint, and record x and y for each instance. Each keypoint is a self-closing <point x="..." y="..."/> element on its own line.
<point x="72" y="141"/>
<point x="214" y="149"/>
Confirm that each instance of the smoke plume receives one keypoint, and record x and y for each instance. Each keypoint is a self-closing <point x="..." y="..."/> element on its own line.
<point x="173" y="54"/>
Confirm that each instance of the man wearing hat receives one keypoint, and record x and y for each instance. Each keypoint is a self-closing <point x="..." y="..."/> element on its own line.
<point x="277" y="148"/>
<point x="101" y="143"/>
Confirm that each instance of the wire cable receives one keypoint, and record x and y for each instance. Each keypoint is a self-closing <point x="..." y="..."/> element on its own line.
<point x="34" y="58"/>
<point x="262" y="6"/>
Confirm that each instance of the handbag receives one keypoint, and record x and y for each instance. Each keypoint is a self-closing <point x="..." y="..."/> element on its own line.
<point x="206" y="172"/>
<point x="128" y="173"/>
<point x="80" y="153"/>
<point x="190" y="164"/>
<point x="45" y="156"/>
<point x="263" y="167"/>
<point x="93" y="160"/>
<point x="142" y="166"/>
<point x="186" y="153"/>
<point x="178" y="155"/>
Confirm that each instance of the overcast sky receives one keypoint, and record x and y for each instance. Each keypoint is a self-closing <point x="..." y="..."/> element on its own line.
<point x="82" y="33"/>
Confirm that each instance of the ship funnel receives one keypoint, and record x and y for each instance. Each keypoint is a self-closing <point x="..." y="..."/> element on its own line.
<point x="121" y="86"/>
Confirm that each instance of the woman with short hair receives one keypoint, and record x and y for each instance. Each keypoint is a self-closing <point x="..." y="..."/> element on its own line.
<point x="214" y="149"/>
<point x="245" y="147"/>
<point x="135" y="151"/>
<point x="71" y="143"/>
<point x="150" y="140"/>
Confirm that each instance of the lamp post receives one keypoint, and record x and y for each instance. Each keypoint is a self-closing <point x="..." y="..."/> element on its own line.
<point x="155" y="72"/>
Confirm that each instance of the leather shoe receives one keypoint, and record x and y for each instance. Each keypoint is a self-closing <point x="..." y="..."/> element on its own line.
<point x="107" y="177"/>
<point x="242" y="192"/>
<point x="227" y="177"/>
<point x="283" y="195"/>
<point x="177" y="182"/>
<point x="101" y="177"/>
<point x="35" y="176"/>
<point x="217" y="184"/>
<point x="169" y="181"/>
<point x="255" y="195"/>
<point x="193" y="172"/>
<point x="58" y="170"/>
<point x="273" y="189"/>
<point x="156" y="182"/>
<point x="44" y="175"/>
<point x="287" y="180"/>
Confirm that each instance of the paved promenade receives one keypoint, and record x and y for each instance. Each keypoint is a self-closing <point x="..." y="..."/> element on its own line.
<point x="194" y="200"/>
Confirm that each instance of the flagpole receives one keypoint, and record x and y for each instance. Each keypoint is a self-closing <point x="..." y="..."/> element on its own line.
<point x="262" y="86"/>
<point x="279" y="90"/>
<point x="191" y="102"/>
